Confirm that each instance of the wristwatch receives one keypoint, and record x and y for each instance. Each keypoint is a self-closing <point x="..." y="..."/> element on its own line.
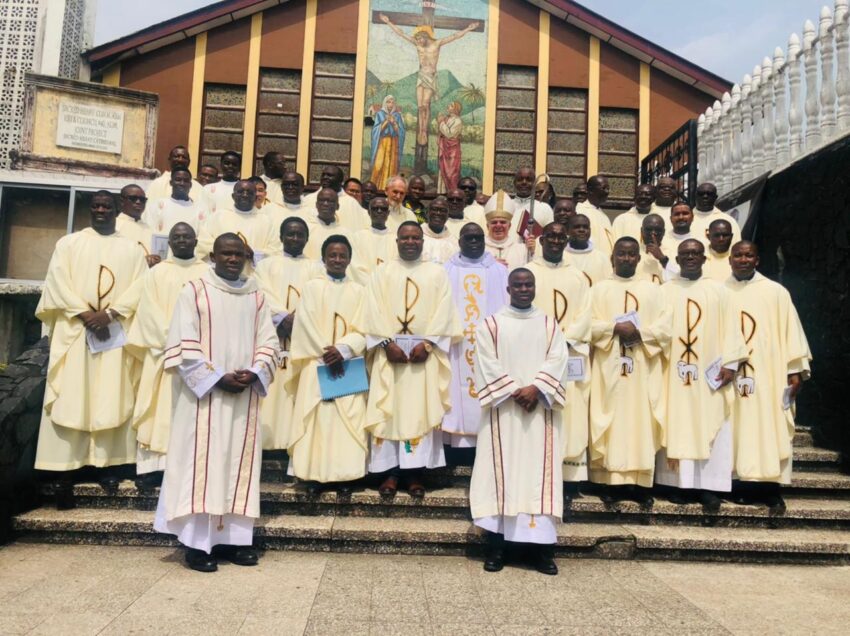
<point x="111" y="313"/>
<point x="383" y="343"/>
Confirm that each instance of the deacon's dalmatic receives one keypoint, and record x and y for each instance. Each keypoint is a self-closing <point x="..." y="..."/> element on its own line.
<point x="211" y="489"/>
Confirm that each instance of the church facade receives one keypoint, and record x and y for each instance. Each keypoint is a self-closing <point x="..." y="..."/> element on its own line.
<point x="378" y="87"/>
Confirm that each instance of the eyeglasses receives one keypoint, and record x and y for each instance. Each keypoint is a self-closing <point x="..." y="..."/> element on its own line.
<point x="468" y="186"/>
<point x="454" y="198"/>
<point x="135" y="198"/>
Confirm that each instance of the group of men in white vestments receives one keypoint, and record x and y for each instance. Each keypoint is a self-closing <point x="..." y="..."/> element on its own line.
<point x="193" y="327"/>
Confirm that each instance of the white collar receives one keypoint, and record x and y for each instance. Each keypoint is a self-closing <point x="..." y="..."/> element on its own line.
<point x="586" y="250"/>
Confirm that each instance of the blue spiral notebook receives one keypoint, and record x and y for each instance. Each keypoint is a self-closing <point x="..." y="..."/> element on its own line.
<point x="353" y="381"/>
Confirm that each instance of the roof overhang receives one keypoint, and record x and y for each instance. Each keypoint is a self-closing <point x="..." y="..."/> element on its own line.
<point x="214" y="15"/>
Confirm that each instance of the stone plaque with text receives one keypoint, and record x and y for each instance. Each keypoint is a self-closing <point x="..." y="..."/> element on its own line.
<point x="89" y="127"/>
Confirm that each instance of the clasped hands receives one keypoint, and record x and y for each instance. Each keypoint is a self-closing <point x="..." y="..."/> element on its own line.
<point x="628" y="333"/>
<point x="96" y="322"/>
<point x="527" y="397"/>
<point x="396" y="355"/>
<point x="237" y="381"/>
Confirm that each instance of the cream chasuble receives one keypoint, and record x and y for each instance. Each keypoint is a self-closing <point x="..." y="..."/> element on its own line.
<point x="600" y="226"/>
<point x="370" y="248"/>
<point x="88" y="398"/>
<point x="649" y="268"/>
<point x="702" y="220"/>
<point x="136" y="231"/>
<point x="212" y="476"/>
<point x="399" y="215"/>
<point x="511" y="252"/>
<point x="146" y="339"/>
<point x="163" y="214"/>
<point x="438" y="248"/>
<point x="281" y="278"/>
<point x="479" y="289"/>
<point x="627" y="394"/>
<point x="253" y="227"/>
<point x="219" y="196"/>
<point x="777" y="347"/>
<point x="517" y="469"/>
<point x="563" y="292"/>
<point x="329" y="440"/>
<point x="716" y="266"/>
<point x="704" y="330"/>
<point x="670" y="248"/>
<point x="351" y="215"/>
<point x="593" y="263"/>
<point x="408" y="401"/>
<point x="630" y="223"/>
<point x="274" y="192"/>
<point x="160" y="188"/>
<point x="279" y="213"/>
<point x="319" y="231"/>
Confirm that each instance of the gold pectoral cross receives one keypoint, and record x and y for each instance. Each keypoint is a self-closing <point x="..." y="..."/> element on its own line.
<point x="411" y="297"/>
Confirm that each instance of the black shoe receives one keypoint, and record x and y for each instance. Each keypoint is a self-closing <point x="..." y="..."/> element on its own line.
<point x="238" y="554"/>
<point x="313" y="488"/>
<point x="149" y="481"/>
<point x="544" y="560"/>
<point x="495" y="560"/>
<point x="109" y="482"/>
<point x="63" y="491"/>
<point x="642" y="496"/>
<point x="678" y="498"/>
<point x="775" y="505"/>
<point x="710" y="502"/>
<point x="200" y="560"/>
<point x="344" y="489"/>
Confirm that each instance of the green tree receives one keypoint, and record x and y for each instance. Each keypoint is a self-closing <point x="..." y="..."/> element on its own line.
<point x="473" y="96"/>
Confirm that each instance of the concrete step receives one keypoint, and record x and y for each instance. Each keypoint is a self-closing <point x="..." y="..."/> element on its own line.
<point x="456" y="536"/>
<point x="819" y="469"/>
<point x="453" y="503"/>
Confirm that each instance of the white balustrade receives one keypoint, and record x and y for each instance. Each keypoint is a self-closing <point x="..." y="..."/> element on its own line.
<point x="735" y="122"/>
<point x="769" y="120"/>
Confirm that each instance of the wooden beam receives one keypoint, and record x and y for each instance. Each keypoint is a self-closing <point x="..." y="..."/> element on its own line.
<point x="305" y="112"/>
<point x="593" y="108"/>
<point x="196" y="113"/>
<point x="643" y="116"/>
<point x="252" y="90"/>
<point x="356" y="161"/>
<point x="541" y="138"/>
<point x="489" y="162"/>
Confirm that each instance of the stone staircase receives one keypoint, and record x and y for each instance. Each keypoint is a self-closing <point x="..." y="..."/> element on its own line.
<point x="814" y="529"/>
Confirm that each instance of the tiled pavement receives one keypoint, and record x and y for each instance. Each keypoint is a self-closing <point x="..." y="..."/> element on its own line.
<point x="65" y="589"/>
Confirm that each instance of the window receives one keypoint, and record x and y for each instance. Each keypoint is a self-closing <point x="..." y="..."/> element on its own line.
<point x="516" y="123"/>
<point x="277" y="115"/>
<point x="566" y="145"/>
<point x="618" y="148"/>
<point x="224" y="121"/>
<point x="333" y="113"/>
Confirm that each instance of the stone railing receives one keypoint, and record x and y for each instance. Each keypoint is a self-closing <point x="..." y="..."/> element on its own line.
<point x="789" y="107"/>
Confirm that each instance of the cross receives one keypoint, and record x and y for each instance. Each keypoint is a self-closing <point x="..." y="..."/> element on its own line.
<point x="428" y="59"/>
<point x="427" y="18"/>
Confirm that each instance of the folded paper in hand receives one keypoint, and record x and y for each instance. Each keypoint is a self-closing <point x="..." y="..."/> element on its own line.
<point x="117" y="338"/>
<point x="352" y="381"/>
<point x="712" y="372"/>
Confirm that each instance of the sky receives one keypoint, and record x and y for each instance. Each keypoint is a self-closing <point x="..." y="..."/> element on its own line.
<point x="727" y="37"/>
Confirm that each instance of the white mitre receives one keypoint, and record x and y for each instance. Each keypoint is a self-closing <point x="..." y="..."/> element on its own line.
<point x="500" y="206"/>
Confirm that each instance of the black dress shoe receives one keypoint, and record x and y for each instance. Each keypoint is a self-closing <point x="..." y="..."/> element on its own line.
<point x="710" y="502"/>
<point x="200" y="560"/>
<point x="344" y="489"/>
<point x="109" y="482"/>
<point x="544" y="560"/>
<point x="775" y="505"/>
<point x="149" y="481"/>
<point x="313" y="488"/>
<point x="245" y="555"/>
<point x="63" y="491"/>
<point x="495" y="560"/>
